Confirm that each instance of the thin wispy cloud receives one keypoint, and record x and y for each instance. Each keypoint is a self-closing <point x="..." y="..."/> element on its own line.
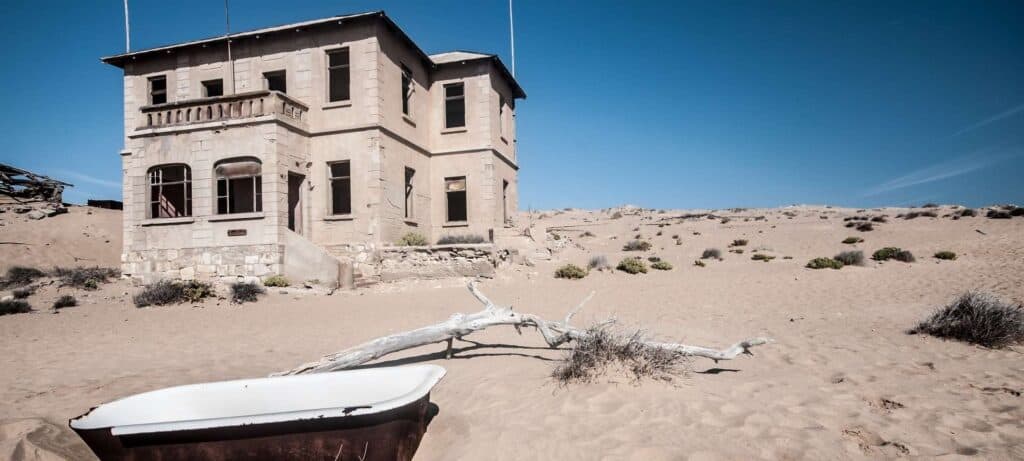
<point x="993" y="119"/>
<point x="75" y="176"/>
<point x="944" y="170"/>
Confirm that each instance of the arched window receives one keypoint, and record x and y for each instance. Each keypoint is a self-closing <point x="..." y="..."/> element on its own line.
<point x="170" y="191"/>
<point x="239" y="185"/>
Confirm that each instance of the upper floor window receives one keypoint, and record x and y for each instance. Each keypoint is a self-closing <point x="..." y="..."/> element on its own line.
<point x="212" y="88"/>
<point x="501" y="115"/>
<point x="338" y="75"/>
<point x="341" y="188"/>
<point x="276" y="81"/>
<point x="158" y="90"/>
<point x="239" y="185"/>
<point x="407" y="88"/>
<point x="454" y="105"/>
<point x="170" y="191"/>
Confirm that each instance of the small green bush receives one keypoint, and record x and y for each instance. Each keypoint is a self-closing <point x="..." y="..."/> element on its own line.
<point x="852" y="240"/>
<point x="893" y="253"/>
<point x="661" y="266"/>
<point x="276" y="281"/>
<point x="570" y="271"/>
<point x="711" y="253"/>
<point x="762" y="257"/>
<point x="824" y="263"/>
<point x="166" y="292"/>
<point x="739" y="243"/>
<point x="850" y="258"/>
<point x="65" y="301"/>
<point x="14" y="306"/>
<point x="699" y="263"/>
<point x="947" y="255"/>
<point x="412" y="239"/>
<point x="632" y="266"/>
<point x="637" y="245"/>
<point x="242" y="292"/>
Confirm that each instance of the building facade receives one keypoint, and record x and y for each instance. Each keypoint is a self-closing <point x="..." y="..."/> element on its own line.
<point x="312" y="143"/>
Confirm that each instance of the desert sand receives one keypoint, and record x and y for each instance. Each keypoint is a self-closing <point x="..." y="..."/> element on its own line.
<point x="842" y="381"/>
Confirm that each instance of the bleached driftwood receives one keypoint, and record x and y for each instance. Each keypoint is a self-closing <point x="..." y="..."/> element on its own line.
<point x="555" y="333"/>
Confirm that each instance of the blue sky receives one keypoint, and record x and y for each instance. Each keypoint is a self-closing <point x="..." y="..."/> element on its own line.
<point x="661" y="104"/>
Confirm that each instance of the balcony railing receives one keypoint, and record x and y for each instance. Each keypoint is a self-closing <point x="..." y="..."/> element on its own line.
<point x="223" y="108"/>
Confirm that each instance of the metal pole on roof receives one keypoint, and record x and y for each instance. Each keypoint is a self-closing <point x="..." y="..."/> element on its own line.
<point x="227" y="35"/>
<point x="127" y="30"/>
<point x="512" y="36"/>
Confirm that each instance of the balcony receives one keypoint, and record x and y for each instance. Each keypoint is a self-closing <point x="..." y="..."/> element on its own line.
<point x="235" y="108"/>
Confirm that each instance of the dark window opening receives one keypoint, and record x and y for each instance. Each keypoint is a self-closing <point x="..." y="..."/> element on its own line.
<point x="239" y="186"/>
<point x="276" y="81"/>
<point x="341" y="188"/>
<point x="158" y="90"/>
<point x="410" y="196"/>
<point x="212" y="88"/>
<point x="170" y="191"/>
<point x="455" y="197"/>
<point x="407" y="88"/>
<point x="454" y="105"/>
<point x="338" y="75"/>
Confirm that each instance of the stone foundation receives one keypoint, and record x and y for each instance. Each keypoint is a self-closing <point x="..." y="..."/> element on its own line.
<point x="205" y="263"/>
<point x="437" y="261"/>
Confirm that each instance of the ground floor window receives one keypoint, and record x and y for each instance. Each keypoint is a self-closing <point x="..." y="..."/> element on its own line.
<point x="170" y="191"/>
<point x="239" y="186"/>
<point x="410" y="195"/>
<point x="455" y="198"/>
<point x="341" y="188"/>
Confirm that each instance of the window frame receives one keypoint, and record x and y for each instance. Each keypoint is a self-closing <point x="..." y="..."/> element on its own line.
<point x="151" y="92"/>
<point x="187" y="189"/>
<point x="461" y="98"/>
<point x="408" y="87"/>
<point x="206" y="92"/>
<point x="330" y="69"/>
<point x="331" y="180"/>
<point x="410" y="193"/>
<point x="284" y="77"/>
<point x="447" y="201"/>
<point x="257" y="188"/>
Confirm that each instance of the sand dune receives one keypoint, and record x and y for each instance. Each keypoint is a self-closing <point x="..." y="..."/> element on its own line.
<point x="843" y="380"/>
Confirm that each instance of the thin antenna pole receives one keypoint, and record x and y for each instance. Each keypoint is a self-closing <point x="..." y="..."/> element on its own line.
<point x="227" y="35"/>
<point x="512" y="37"/>
<point x="127" y="30"/>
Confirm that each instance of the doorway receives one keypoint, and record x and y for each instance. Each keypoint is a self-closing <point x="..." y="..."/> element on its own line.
<point x="295" y="182"/>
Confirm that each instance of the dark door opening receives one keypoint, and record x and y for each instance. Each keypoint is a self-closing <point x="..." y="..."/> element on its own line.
<point x="295" y="202"/>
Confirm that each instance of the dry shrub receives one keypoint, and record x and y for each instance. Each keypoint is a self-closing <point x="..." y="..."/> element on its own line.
<point x="570" y="271"/>
<point x="850" y="258"/>
<point x="632" y="266"/>
<point x="166" y="292"/>
<point x="898" y="254"/>
<point x="599" y="262"/>
<point x="637" y="245"/>
<point x="852" y="240"/>
<point x="661" y="265"/>
<point x="947" y="255"/>
<point x="14" y="306"/>
<point x="739" y="243"/>
<point x="20" y="276"/>
<point x="865" y="227"/>
<point x="243" y="292"/>
<point x="276" y="281"/>
<point x="412" y="239"/>
<point x="711" y="253"/>
<point x="65" y="301"/>
<point x="459" y="239"/>
<point x="977" y="318"/>
<point x="22" y="293"/>
<point x="762" y="257"/>
<point x="88" y="278"/>
<point x="602" y="350"/>
<point x="824" y="263"/>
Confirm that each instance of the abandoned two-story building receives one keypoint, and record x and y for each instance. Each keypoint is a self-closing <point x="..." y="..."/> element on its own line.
<point x="287" y="149"/>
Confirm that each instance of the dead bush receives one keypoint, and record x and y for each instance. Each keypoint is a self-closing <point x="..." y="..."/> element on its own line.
<point x="851" y="258"/>
<point x="602" y="350"/>
<point x="65" y="301"/>
<point x="18" y="276"/>
<point x="243" y="292"/>
<point x="14" y="306"/>
<point x="637" y="245"/>
<point x="461" y="239"/>
<point x="711" y="253"/>
<point x="977" y="318"/>
<point x="88" y="278"/>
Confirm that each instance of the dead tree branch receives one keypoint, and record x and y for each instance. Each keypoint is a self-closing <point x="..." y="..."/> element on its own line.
<point x="459" y="325"/>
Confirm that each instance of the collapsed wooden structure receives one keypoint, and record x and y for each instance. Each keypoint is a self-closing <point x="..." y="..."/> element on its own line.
<point x="23" y="186"/>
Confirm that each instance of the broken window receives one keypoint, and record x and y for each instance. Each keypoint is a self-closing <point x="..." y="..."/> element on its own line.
<point x="212" y="88"/>
<point x="158" y="90"/>
<point x="410" y="196"/>
<point x="407" y="89"/>
<point x="501" y="116"/>
<point x="338" y="75"/>
<point x="455" y="197"/>
<point x="341" y="188"/>
<point x="454" y="105"/>
<point x="276" y="81"/>
<point x="239" y="186"/>
<point x="170" y="191"/>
